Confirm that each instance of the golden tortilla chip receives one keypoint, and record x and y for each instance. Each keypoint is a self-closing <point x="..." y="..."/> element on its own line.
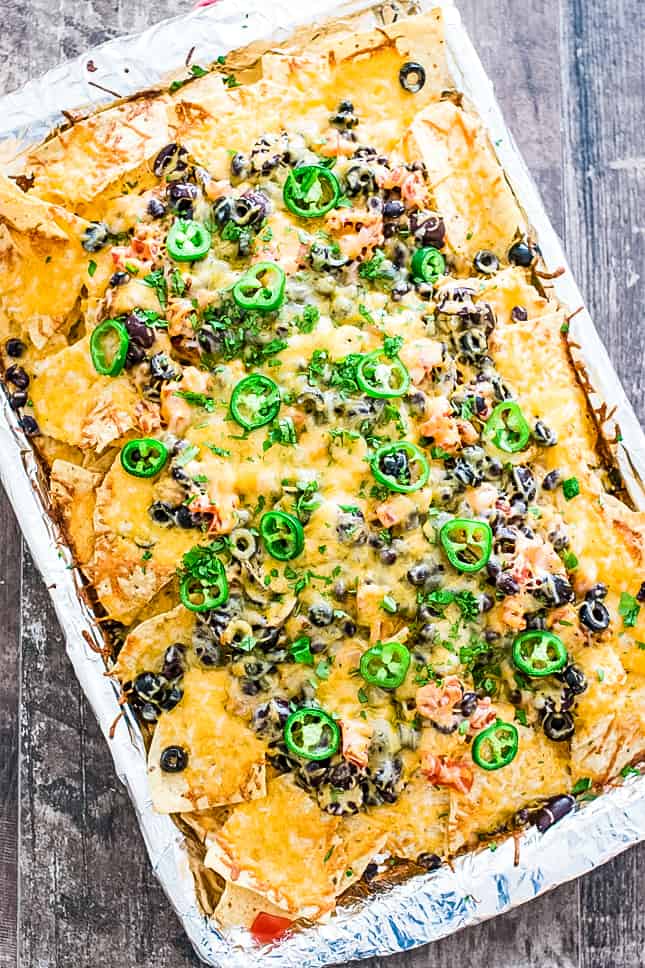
<point x="42" y="265"/>
<point x="280" y="847"/>
<point x="225" y="758"/>
<point x="610" y="716"/>
<point x="144" y="647"/>
<point x="539" y="770"/>
<point x="468" y="185"/>
<point x="418" y="822"/>
<point x="238" y="907"/>
<point x="81" y="161"/>
<point x="73" y="491"/>
<point x="75" y="404"/>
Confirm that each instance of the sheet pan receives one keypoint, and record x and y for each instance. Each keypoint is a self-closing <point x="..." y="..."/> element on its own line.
<point x="480" y="885"/>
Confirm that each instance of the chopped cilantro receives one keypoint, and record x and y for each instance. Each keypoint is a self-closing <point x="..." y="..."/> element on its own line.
<point x="438" y="453"/>
<point x="282" y="432"/>
<point x="309" y="319"/>
<point x="392" y="345"/>
<point x="628" y="609"/>
<point x="306" y="503"/>
<point x="570" y="560"/>
<point x="322" y="669"/>
<point x="218" y="451"/>
<point x="629" y="771"/>
<point x="581" y="786"/>
<point x="317" y="365"/>
<point x="468" y="605"/>
<point x="187" y="454"/>
<point x="468" y="654"/>
<point x="247" y="644"/>
<point x="200" y="561"/>
<point x="300" y="649"/>
<point x="570" y="488"/>
<point x="157" y="281"/>
<point x="388" y="604"/>
<point x="366" y="314"/>
<point x="197" y="399"/>
<point x="438" y="600"/>
<point x="91" y="267"/>
<point x="177" y="282"/>
<point x="256" y="356"/>
<point x="373" y="268"/>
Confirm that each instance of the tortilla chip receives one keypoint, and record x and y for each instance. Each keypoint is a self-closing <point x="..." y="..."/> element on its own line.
<point x="469" y="187"/>
<point x="75" y="404"/>
<point x="362" y="836"/>
<point x="280" y="847"/>
<point x="81" y="161"/>
<point x="144" y="647"/>
<point x="539" y="770"/>
<point x="42" y="265"/>
<point x="610" y="716"/>
<point x="225" y="758"/>
<point x="73" y="491"/>
<point x="238" y="907"/>
<point x="418" y="822"/>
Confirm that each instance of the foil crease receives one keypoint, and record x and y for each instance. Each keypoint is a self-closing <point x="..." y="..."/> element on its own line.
<point x="479" y="885"/>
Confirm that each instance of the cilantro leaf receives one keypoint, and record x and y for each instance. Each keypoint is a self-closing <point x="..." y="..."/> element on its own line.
<point x="282" y="432"/>
<point x="157" y="281"/>
<point x="196" y="399"/>
<point x="309" y="319"/>
<point x="628" y="609"/>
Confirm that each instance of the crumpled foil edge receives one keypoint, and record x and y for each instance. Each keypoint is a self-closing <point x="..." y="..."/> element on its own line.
<point x="479" y="885"/>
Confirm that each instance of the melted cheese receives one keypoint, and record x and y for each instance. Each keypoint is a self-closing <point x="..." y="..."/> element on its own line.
<point x="286" y="862"/>
<point x="225" y="758"/>
<point x="468" y="184"/>
<point x="539" y="770"/>
<point x="81" y="161"/>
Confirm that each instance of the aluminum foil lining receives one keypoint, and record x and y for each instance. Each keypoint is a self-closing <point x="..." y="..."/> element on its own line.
<point x="480" y="885"/>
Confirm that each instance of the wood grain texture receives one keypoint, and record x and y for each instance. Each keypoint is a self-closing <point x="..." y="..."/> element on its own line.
<point x="10" y="580"/>
<point x="569" y="77"/>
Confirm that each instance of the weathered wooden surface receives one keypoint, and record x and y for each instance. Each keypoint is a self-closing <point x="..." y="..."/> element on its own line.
<point x="569" y="75"/>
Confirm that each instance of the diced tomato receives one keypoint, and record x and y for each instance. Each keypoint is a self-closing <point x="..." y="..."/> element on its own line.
<point x="268" y="927"/>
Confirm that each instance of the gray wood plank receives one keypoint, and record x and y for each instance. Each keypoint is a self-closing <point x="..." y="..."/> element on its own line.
<point x="10" y="581"/>
<point x="604" y="171"/>
<point x="604" y="223"/>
